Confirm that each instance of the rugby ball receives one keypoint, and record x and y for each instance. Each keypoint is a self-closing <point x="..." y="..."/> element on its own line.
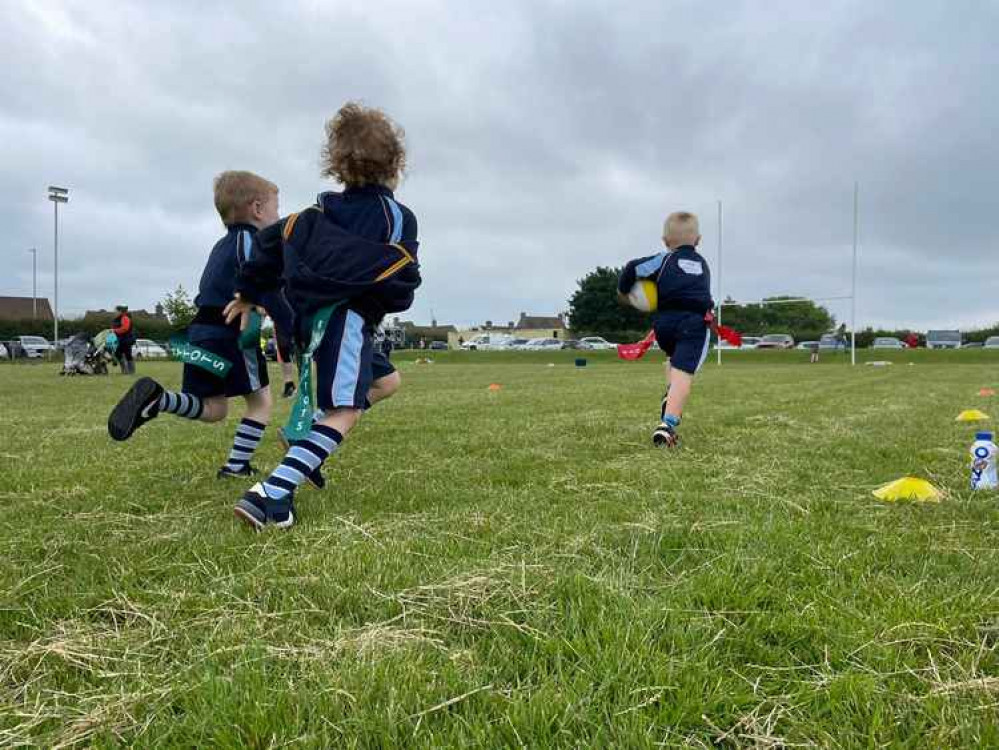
<point x="644" y="295"/>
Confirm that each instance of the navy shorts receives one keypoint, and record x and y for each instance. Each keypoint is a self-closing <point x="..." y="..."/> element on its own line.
<point x="380" y="366"/>
<point x="343" y="361"/>
<point x="247" y="374"/>
<point x="685" y="338"/>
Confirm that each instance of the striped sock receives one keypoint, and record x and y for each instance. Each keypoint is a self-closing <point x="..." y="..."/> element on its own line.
<point x="304" y="457"/>
<point x="181" y="404"/>
<point x="245" y="442"/>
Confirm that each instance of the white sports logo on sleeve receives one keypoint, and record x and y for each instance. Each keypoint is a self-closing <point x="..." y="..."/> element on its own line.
<point x="693" y="267"/>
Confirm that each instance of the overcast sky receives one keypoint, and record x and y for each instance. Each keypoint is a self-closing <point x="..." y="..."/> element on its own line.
<point x="545" y="138"/>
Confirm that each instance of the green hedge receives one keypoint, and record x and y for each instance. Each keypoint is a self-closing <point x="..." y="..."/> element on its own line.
<point x="146" y="329"/>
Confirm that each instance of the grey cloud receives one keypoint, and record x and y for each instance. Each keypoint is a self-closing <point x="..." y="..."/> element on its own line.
<point x="545" y="139"/>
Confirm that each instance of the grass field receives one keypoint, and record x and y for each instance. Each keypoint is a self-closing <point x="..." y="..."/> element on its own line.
<point x="512" y="568"/>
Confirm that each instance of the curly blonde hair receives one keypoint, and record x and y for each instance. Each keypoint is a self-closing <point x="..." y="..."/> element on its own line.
<point x="363" y="147"/>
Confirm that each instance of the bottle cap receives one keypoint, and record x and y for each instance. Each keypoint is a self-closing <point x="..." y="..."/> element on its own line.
<point x="983" y="436"/>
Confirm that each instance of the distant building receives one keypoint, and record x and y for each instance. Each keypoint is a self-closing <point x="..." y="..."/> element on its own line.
<point x="527" y="327"/>
<point x="25" y="308"/>
<point x="405" y="333"/>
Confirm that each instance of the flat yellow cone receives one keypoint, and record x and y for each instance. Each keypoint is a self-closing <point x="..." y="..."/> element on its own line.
<point x="971" y="415"/>
<point x="908" y="488"/>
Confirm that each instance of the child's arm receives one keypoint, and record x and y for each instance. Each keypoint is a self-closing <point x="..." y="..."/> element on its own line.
<point x="395" y="293"/>
<point x="258" y="272"/>
<point x="639" y="268"/>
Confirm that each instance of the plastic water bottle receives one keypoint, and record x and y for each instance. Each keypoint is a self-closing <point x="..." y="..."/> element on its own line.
<point x="983" y="462"/>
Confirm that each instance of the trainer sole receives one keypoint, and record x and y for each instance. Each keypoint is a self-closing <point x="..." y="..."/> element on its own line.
<point x="248" y="518"/>
<point x="121" y="422"/>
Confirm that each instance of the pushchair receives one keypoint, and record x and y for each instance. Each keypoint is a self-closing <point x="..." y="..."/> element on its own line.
<point x="83" y="356"/>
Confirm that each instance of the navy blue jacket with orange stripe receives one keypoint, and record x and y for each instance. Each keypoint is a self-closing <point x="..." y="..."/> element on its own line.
<point x="358" y="247"/>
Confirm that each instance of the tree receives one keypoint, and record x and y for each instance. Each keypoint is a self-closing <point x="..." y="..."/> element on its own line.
<point x="804" y="320"/>
<point x="594" y="308"/>
<point x="179" y="308"/>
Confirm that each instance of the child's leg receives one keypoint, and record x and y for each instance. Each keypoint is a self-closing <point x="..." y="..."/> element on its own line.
<point x="343" y="378"/>
<point x="384" y="387"/>
<point x="248" y="434"/>
<point x="147" y="399"/>
<point x="307" y="455"/>
<point x="680" y="383"/>
<point x="686" y="342"/>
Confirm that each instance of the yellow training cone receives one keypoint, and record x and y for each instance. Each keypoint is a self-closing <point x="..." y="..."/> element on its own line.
<point x="908" y="488"/>
<point x="971" y="415"/>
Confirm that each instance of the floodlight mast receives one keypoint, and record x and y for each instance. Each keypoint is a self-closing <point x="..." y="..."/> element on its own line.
<point x="57" y="195"/>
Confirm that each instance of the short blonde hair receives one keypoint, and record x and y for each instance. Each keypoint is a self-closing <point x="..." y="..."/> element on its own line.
<point x="236" y="190"/>
<point x="363" y="147"/>
<point x="682" y="226"/>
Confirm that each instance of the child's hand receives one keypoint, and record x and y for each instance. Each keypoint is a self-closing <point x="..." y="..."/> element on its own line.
<point x="238" y="308"/>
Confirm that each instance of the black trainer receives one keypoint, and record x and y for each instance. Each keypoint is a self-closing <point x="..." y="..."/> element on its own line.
<point x="244" y="471"/>
<point x="289" y="390"/>
<point x="140" y="404"/>
<point x="315" y="477"/>
<point x="665" y="436"/>
<point x="257" y="510"/>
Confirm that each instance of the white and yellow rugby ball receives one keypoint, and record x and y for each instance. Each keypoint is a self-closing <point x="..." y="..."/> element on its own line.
<point x="644" y="295"/>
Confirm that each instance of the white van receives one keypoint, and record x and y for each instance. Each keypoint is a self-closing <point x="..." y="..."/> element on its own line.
<point x="485" y="342"/>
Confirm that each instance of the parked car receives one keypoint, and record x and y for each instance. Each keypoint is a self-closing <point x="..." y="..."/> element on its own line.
<point x="750" y="342"/>
<point x="943" y="339"/>
<point x="776" y="341"/>
<point x="807" y="345"/>
<point x="831" y="341"/>
<point x="972" y="345"/>
<point x="544" y="344"/>
<point x="438" y="346"/>
<point x="32" y="347"/>
<point x="485" y="341"/>
<point x="149" y="349"/>
<point x="595" y="343"/>
<point x="514" y="344"/>
<point x="992" y="342"/>
<point x="4" y="352"/>
<point x="887" y="342"/>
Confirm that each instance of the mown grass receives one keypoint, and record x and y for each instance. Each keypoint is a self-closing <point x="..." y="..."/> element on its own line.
<point x="512" y="568"/>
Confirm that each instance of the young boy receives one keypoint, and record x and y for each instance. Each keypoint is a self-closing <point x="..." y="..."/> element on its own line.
<point x="683" y="284"/>
<point x="351" y="258"/>
<point x="246" y="203"/>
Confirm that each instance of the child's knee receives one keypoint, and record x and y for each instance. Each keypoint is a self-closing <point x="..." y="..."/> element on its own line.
<point x="215" y="409"/>
<point x="389" y="384"/>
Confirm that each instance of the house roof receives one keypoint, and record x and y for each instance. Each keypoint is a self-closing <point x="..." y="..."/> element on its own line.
<point x="20" y="308"/>
<point x="540" y="321"/>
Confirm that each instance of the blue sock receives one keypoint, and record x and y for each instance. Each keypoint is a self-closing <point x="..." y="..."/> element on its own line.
<point x="182" y="404"/>
<point x="304" y="457"/>
<point x="245" y="442"/>
<point x="671" y="420"/>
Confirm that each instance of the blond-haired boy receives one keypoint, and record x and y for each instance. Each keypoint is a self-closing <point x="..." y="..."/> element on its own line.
<point x="683" y="285"/>
<point x="245" y="203"/>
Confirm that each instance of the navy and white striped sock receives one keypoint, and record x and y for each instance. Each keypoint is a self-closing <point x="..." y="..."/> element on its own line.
<point x="245" y="442"/>
<point x="181" y="404"/>
<point x="304" y="457"/>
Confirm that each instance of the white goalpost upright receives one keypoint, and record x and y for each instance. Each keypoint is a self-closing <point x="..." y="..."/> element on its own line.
<point x="852" y="296"/>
